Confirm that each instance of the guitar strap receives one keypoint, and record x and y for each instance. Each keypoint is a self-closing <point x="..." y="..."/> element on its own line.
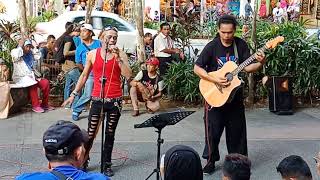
<point x="235" y="50"/>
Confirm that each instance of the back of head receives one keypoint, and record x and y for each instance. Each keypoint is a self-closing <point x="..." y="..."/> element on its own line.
<point x="294" y="167"/>
<point x="61" y="139"/>
<point x="237" y="167"/>
<point x="182" y="163"/>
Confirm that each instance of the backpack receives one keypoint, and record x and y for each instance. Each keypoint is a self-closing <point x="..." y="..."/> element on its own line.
<point x="58" y="51"/>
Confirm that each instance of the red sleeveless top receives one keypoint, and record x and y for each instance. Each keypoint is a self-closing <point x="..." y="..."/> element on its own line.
<point x="112" y="73"/>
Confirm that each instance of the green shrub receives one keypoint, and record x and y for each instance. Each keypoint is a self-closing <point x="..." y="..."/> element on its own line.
<point x="182" y="83"/>
<point x="152" y="25"/>
<point x="296" y="56"/>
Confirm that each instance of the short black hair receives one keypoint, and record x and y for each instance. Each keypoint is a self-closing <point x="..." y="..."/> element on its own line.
<point x="50" y="37"/>
<point x="237" y="167"/>
<point x="147" y="35"/>
<point x="164" y="24"/>
<point x="294" y="166"/>
<point x="67" y="25"/>
<point x="227" y="19"/>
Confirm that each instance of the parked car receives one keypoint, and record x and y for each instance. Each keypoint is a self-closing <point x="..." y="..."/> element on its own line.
<point x="127" y="32"/>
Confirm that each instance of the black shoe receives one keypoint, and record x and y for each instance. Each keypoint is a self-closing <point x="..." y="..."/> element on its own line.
<point x="108" y="172"/>
<point x="209" y="168"/>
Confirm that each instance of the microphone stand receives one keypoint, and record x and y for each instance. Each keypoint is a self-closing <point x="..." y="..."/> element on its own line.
<point x="103" y="83"/>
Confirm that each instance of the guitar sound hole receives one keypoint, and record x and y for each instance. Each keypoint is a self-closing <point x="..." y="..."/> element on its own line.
<point x="229" y="77"/>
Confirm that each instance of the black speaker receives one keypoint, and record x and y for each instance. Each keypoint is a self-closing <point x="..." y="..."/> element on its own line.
<point x="280" y="95"/>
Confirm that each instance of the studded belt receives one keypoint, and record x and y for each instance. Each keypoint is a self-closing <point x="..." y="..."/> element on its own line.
<point x="106" y="99"/>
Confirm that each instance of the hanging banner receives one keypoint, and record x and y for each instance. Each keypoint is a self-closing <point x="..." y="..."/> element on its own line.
<point x="152" y="10"/>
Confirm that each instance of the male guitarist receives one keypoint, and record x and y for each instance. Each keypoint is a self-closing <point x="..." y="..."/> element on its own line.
<point x="225" y="47"/>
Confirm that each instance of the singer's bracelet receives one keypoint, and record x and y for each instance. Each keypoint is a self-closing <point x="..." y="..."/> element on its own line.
<point x="74" y="94"/>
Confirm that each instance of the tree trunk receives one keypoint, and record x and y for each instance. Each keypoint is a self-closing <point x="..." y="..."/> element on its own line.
<point x="139" y="22"/>
<point x="251" y="82"/>
<point x="91" y="4"/>
<point x="23" y="19"/>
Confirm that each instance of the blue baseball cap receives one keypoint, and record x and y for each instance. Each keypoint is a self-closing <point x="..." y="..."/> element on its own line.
<point x="63" y="137"/>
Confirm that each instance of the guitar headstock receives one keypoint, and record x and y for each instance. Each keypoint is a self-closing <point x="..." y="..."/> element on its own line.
<point x="274" y="42"/>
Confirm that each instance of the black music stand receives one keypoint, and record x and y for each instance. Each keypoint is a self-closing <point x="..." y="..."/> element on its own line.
<point x="159" y="121"/>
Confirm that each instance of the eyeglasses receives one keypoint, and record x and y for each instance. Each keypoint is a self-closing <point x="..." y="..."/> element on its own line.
<point x="110" y="28"/>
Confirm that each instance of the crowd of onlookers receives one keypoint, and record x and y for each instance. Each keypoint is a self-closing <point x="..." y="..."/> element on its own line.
<point x="64" y="58"/>
<point x="63" y="143"/>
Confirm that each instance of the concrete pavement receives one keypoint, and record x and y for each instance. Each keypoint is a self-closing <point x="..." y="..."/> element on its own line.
<point x="270" y="138"/>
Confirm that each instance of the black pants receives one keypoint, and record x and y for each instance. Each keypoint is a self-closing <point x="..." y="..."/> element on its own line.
<point x="164" y="65"/>
<point x="112" y="111"/>
<point x="230" y="116"/>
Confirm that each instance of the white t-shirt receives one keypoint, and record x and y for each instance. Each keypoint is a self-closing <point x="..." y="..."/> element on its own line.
<point x="278" y="12"/>
<point x="162" y="42"/>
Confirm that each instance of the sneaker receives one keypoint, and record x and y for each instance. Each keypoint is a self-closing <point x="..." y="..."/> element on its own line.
<point x="37" y="109"/>
<point x="108" y="172"/>
<point x="135" y="113"/>
<point x="48" y="108"/>
<point x="75" y="116"/>
<point x="209" y="168"/>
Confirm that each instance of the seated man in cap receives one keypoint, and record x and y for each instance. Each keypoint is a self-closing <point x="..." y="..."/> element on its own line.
<point x="63" y="144"/>
<point x="147" y="87"/>
<point x="23" y="57"/>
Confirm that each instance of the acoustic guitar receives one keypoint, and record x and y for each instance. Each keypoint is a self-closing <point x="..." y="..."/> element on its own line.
<point x="216" y="95"/>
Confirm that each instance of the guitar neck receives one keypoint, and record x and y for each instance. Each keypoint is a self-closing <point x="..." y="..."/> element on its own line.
<point x="247" y="62"/>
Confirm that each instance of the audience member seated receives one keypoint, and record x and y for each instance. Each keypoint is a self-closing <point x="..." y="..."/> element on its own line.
<point x="24" y="67"/>
<point x="181" y="163"/>
<point x="46" y="56"/>
<point x="147" y="39"/>
<point x="63" y="144"/>
<point x="147" y="87"/>
<point x="294" y="168"/>
<point x="236" y="167"/>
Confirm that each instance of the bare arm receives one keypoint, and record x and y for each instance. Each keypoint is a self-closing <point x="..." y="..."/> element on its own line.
<point x="171" y="51"/>
<point x="260" y="56"/>
<point x="157" y="95"/>
<point x="204" y="75"/>
<point x="253" y="67"/>
<point x="124" y="65"/>
<point x="82" y="79"/>
<point x="66" y="50"/>
<point x="134" y="83"/>
<point x="85" y="73"/>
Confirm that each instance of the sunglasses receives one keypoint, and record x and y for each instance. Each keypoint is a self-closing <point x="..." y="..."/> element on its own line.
<point x="110" y="28"/>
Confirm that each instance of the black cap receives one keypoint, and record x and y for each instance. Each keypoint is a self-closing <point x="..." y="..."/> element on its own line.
<point x="63" y="137"/>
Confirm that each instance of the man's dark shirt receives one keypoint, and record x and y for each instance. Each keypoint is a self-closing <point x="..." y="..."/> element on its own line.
<point x="215" y="55"/>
